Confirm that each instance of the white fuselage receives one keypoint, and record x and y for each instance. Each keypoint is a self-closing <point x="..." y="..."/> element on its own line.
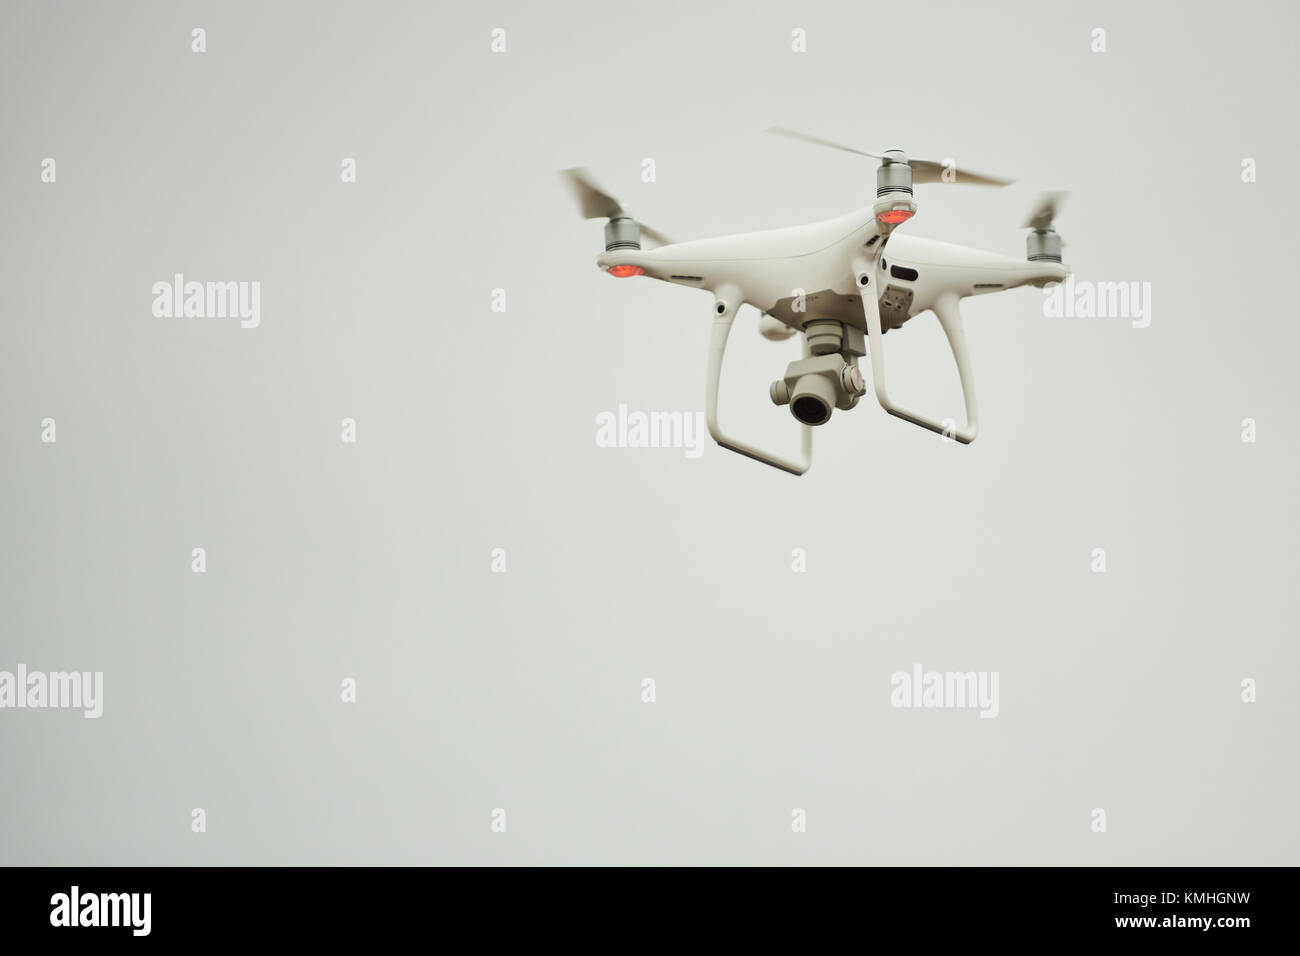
<point x="807" y="272"/>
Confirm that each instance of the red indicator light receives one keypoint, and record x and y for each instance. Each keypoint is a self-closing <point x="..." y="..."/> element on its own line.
<point x="622" y="272"/>
<point x="892" y="217"/>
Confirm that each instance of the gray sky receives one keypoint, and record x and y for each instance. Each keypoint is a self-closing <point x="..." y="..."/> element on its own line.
<point x="371" y="561"/>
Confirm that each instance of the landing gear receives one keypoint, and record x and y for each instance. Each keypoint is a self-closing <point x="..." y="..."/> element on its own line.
<point x="724" y="313"/>
<point x="950" y="319"/>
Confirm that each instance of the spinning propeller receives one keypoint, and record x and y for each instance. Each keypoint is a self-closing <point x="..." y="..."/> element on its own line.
<point x="1044" y="243"/>
<point x="622" y="231"/>
<point x="922" y="170"/>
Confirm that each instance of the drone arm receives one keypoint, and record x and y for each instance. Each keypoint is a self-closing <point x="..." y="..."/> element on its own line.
<point x="717" y="349"/>
<point x="950" y="319"/>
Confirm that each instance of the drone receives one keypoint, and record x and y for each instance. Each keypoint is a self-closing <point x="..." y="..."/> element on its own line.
<point x="842" y="284"/>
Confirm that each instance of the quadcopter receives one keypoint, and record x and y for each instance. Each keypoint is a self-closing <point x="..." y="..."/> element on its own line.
<point x="842" y="284"/>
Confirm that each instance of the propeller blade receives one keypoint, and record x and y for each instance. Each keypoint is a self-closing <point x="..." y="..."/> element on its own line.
<point x="794" y="134"/>
<point x="654" y="234"/>
<point x="925" y="171"/>
<point x="594" y="202"/>
<point x="1044" y="213"/>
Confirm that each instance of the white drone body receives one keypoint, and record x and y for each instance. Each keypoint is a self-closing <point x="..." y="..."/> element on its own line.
<point x="843" y="284"/>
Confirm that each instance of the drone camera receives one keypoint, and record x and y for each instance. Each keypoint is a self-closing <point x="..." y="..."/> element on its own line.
<point x="811" y="409"/>
<point x="814" y="399"/>
<point x="828" y="378"/>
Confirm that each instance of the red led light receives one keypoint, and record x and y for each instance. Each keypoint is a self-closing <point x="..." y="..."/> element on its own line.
<point x="622" y="272"/>
<point x="892" y="217"/>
